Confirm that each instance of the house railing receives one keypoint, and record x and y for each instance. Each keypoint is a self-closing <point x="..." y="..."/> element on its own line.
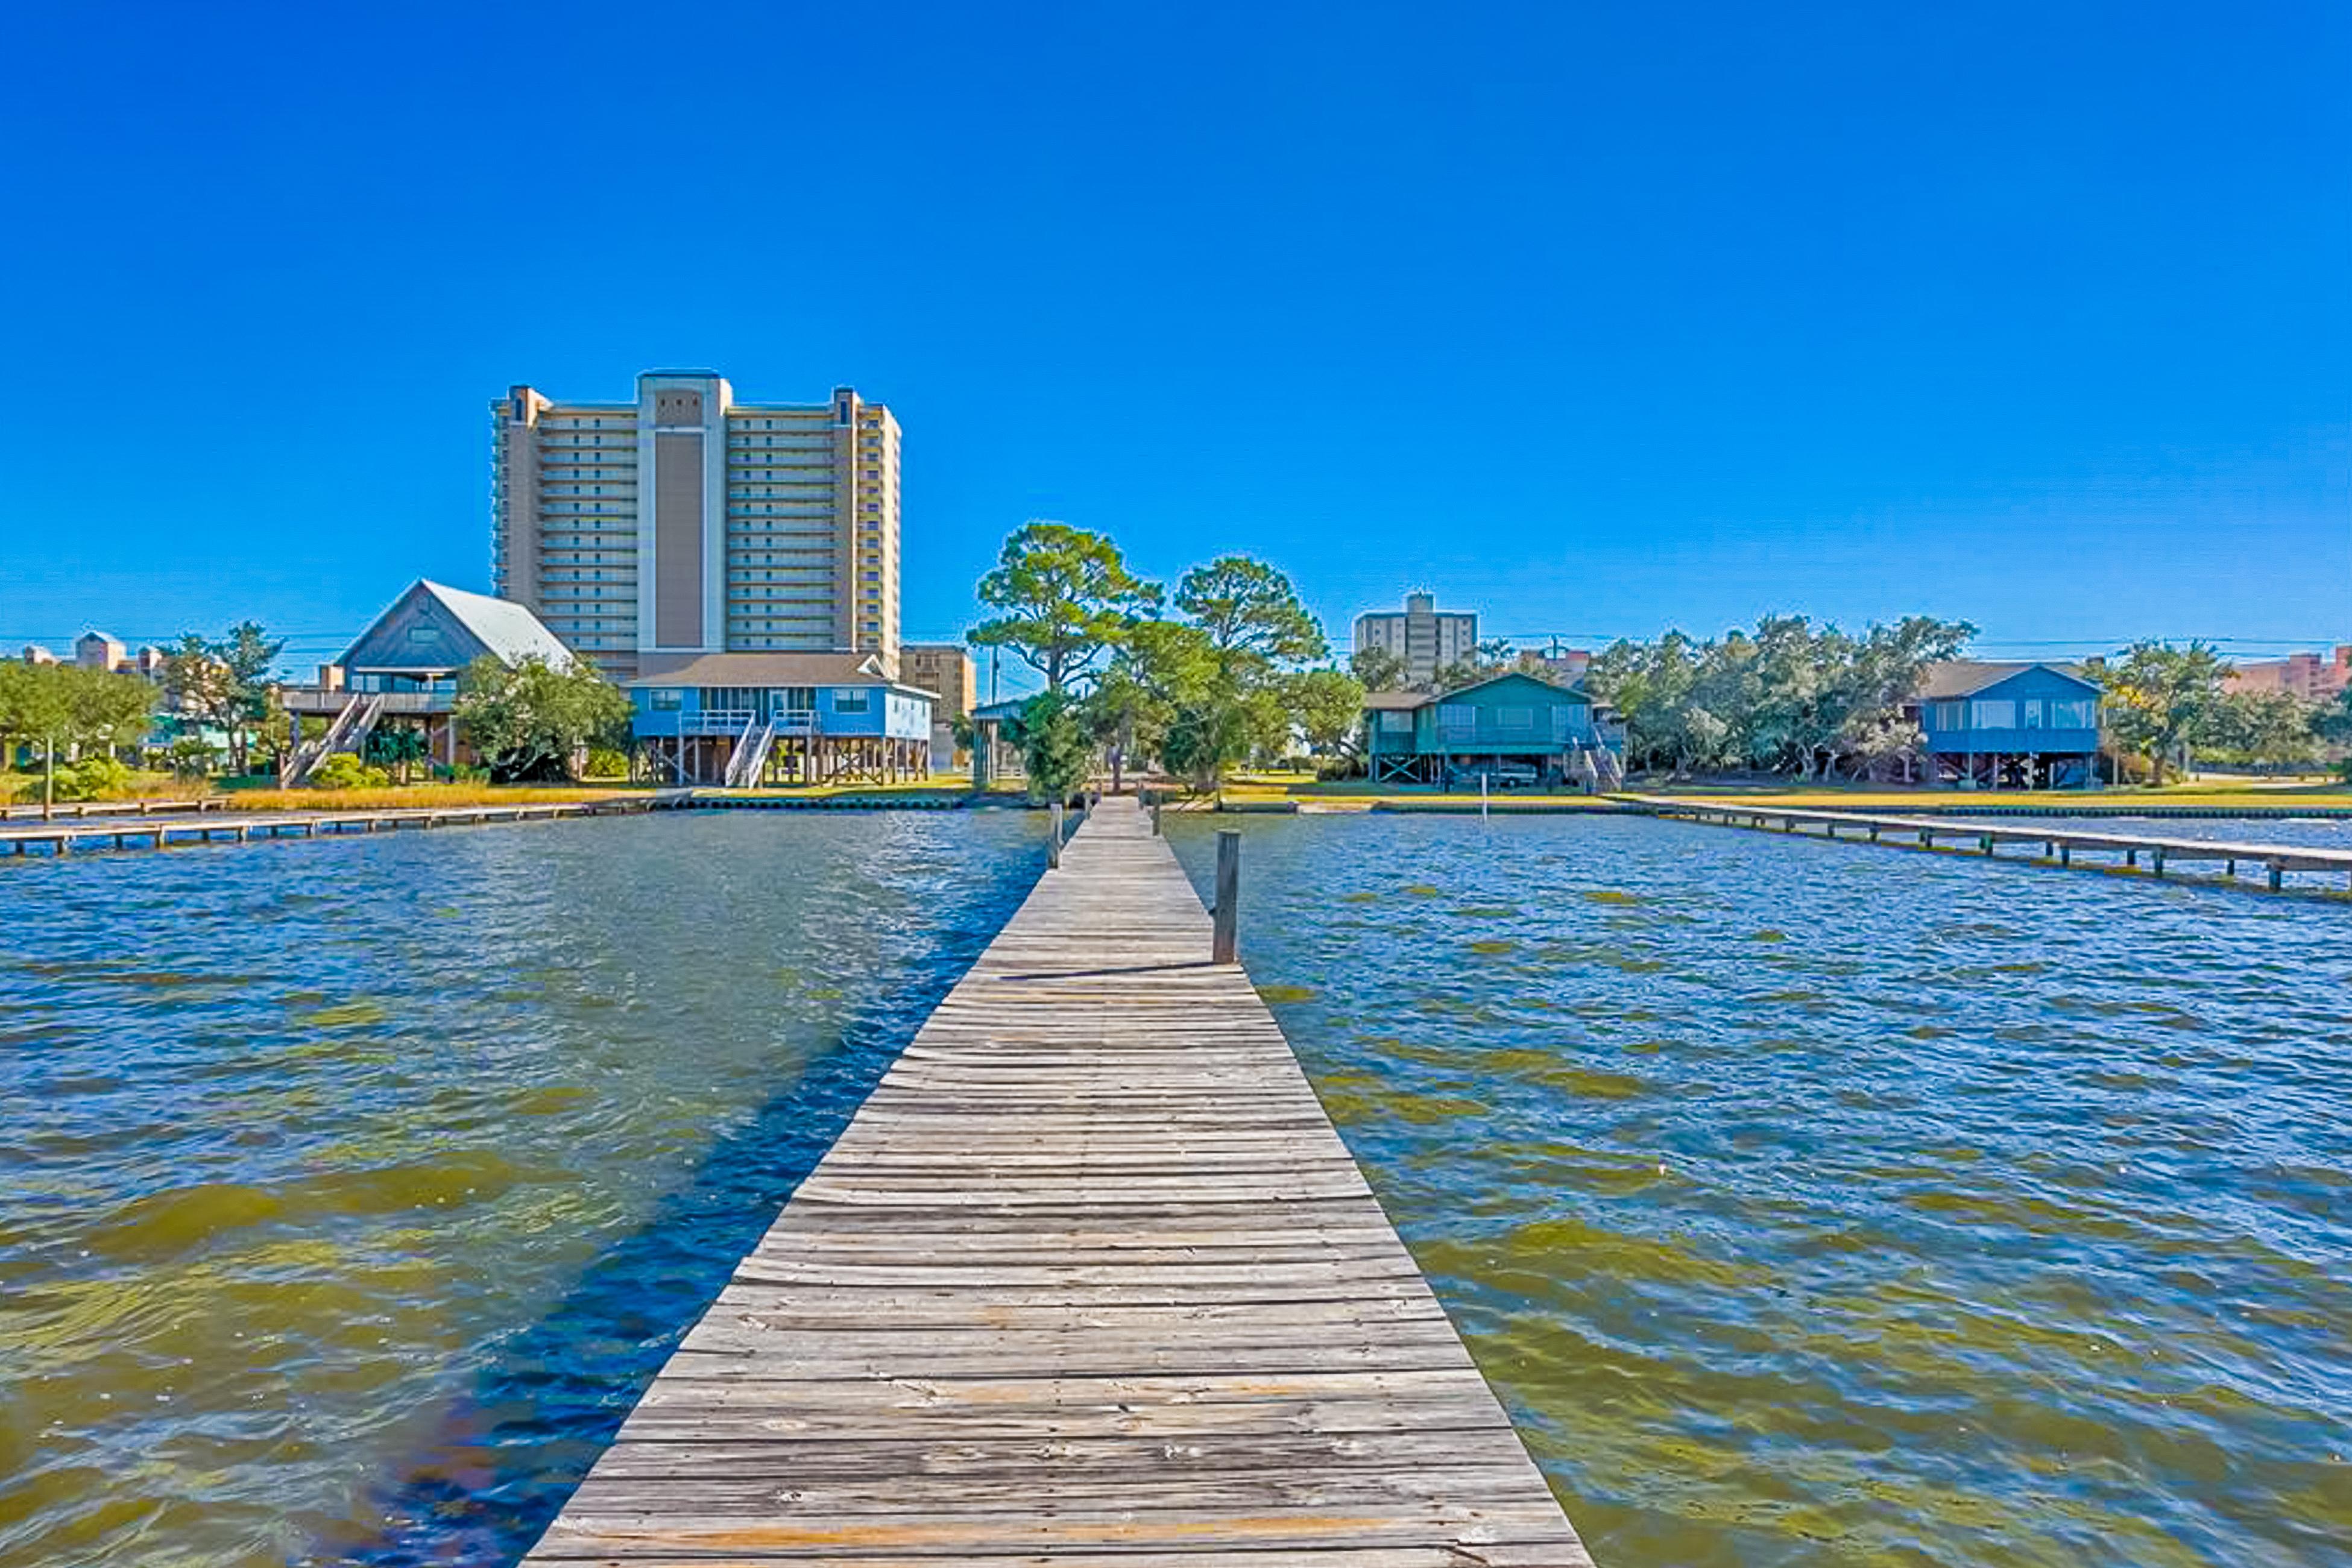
<point x="310" y="701"/>
<point x="727" y="721"/>
<point x="1560" y="729"/>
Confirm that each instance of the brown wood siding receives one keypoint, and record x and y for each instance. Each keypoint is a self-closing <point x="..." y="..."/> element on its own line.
<point x="677" y="539"/>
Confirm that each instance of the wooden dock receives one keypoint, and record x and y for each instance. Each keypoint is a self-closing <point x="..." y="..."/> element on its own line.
<point x="1089" y="1281"/>
<point x="156" y="831"/>
<point x="79" y="810"/>
<point x="2062" y="847"/>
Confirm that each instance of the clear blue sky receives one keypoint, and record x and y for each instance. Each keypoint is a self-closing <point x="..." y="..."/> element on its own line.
<point x="1593" y="319"/>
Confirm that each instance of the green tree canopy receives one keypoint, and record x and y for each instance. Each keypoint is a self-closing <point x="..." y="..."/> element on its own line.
<point x="1065" y="599"/>
<point x="65" y="706"/>
<point x="2264" y="729"/>
<point x="108" y="709"/>
<point x="1788" y="698"/>
<point x="532" y="720"/>
<point x="224" y="682"/>
<point x="2162" y="699"/>
<point x="1249" y="611"/>
<point x="1378" y="669"/>
<point x="1160" y="668"/>
<point x="2332" y="720"/>
<point x="1250" y="632"/>
<point x="35" y="707"/>
<point x="1327" y="705"/>
<point x="1056" y="750"/>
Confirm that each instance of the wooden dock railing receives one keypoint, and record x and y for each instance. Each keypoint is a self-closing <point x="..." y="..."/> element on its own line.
<point x="1090" y="1279"/>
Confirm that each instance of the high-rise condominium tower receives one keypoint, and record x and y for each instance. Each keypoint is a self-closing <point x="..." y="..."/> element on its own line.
<point x="1424" y="637"/>
<point x="686" y="522"/>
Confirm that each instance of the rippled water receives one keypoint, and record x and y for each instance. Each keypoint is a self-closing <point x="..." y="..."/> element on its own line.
<point x="1824" y="1203"/>
<point x="2320" y="832"/>
<point x="350" y="1189"/>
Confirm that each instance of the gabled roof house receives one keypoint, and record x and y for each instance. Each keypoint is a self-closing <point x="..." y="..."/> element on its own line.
<point x="1999" y="725"/>
<point x="1558" y="731"/>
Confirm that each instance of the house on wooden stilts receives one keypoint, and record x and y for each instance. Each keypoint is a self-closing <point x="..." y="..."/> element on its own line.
<point x="741" y="720"/>
<point x="1997" y="725"/>
<point x="404" y="672"/>
<point x="1513" y="727"/>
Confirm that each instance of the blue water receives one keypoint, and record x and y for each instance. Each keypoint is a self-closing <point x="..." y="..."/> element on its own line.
<point x="1808" y="1203"/>
<point x="353" y="1188"/>
<point x="1826" y="1204"/>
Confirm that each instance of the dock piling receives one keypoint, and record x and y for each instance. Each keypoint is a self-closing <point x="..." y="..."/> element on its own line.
<point x="1224" y="936"/>
<point x="1053" y="836"/>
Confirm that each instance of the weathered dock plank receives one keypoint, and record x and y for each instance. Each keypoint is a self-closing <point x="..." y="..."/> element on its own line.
<point x="1089" y="1279"/>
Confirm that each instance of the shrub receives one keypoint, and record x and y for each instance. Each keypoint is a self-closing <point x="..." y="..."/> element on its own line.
<point x="605" y="762"/>
<point x="93" y="779"/>
<point x="344" y="771"/>
<point x="193" y="757"/>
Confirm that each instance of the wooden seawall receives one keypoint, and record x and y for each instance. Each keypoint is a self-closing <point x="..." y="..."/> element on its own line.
<point x="1090" y="1279"/>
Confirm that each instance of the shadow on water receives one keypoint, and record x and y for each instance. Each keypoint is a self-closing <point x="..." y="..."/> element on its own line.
<point x="512" y="1450"/>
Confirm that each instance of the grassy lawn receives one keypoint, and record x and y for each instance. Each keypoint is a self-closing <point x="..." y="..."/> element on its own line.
<point x="420" y="797"/>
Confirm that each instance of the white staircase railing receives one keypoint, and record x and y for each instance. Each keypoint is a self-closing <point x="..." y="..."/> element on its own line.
<point x="751" y="754"/>
<point x="349" y="732"/>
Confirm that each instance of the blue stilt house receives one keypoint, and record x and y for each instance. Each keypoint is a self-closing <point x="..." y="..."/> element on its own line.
<point x="743" y="719"/>
<point x="1993" y="726"/>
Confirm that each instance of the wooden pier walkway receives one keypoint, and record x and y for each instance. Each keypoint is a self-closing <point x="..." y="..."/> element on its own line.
<point x="1089" y="1281"/>
<point x="124" y="831"/>
<point x="2058" y="846"/>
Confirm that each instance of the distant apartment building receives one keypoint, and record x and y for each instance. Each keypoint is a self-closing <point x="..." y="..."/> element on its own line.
<point x="97" y="651"/>
<point x="1425" y="639"/>
<point x="685" y="523"/>
<point x="944" y="670"/>
<point x="2315" y="677"/>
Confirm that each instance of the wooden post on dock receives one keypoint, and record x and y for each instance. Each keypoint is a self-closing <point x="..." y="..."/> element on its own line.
<point x="1053" y="836"/>
<point x="1223" y="940"/>
<point x="1155" y="816"/>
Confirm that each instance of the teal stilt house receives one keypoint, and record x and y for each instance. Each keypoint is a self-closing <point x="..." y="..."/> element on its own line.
<point x="1558" y="733"/>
